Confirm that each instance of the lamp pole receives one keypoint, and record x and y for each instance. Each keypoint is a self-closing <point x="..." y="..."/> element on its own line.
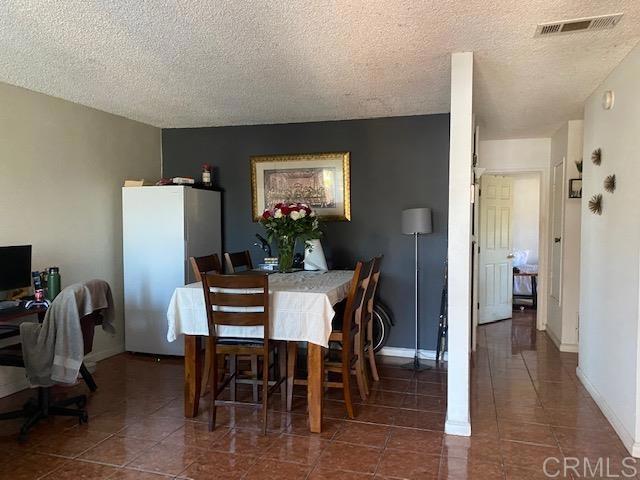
<point x="416" y="359"/>
<point x="416" y="365"/>
<point x="416" y="221"/>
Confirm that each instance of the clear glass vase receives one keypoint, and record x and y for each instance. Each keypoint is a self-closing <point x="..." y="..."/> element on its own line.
<point x="286" y="247"/>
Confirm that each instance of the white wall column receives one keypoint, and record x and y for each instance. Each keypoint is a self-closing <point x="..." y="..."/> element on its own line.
<point x="459" y="248"/>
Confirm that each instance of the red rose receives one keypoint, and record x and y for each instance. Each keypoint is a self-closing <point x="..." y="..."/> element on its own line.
<point x="278" y="205"/>
<point x="285" y="210"/>
<point x="266" y="215"/>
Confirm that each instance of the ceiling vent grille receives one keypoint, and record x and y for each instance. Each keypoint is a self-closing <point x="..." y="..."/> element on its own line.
<point x="601" y="22"/>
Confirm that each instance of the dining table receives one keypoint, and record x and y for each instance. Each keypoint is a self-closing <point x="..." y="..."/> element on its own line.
<point x="301" y="309"/>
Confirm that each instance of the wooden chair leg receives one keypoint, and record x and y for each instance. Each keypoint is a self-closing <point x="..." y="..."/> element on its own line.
<point x="282" y="373"/>
<point x="233" y="366"/>
<point x="214" y="389"/>
<point x="346" y="388"/>
<point x="292" y="356"/>
<point x="222" y="366"/>
<point x="362" y="361"/>
<point x="361" y="380"/>
<point x="371" y="354"/>
<point x="361" y="376"/>
<point x="254" y="374"/>
<point x="265" y="390"/>
<point x="206" y="373"/>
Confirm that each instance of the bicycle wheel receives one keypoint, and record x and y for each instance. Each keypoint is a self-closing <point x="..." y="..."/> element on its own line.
<point x="381" y="326"/>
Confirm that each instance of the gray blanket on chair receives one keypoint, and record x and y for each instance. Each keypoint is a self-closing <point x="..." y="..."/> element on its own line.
<point x="54" y="350"/>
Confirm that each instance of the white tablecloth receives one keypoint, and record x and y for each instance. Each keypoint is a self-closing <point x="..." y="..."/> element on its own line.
<point x="301" y="308"/>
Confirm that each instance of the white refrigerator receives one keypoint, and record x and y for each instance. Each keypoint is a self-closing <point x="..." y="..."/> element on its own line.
<point x="161" y="228"/>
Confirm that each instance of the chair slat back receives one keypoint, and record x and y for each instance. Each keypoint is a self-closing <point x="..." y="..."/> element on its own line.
<point x="238" y="261"/>
<point x="237" y="300"/>
<point x="372" y="287"/>
<point x="206" y="264"/>
<point x="355" y="299"/>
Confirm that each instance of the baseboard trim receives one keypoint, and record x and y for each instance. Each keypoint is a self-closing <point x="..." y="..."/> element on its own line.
<point x="102" y="354"/>
<point x="22" y="384"/>
<point x="461" y="429"/>
<point x="563" y="347"/>
<point x="569" y="347"/>
<point x="627" y="439"/>
<point x="409" y="353"/>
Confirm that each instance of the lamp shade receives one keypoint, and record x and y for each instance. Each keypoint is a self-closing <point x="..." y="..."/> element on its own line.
<point x="416" y="220"/>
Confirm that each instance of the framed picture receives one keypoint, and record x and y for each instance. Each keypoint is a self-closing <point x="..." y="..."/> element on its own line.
<point x="575" y="188"/>
<point x="321" y="180"/>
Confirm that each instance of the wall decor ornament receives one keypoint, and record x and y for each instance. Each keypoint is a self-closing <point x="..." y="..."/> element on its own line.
<point x="610" y="183"/>
<point x="321" y="181"/>
<point x="575" y="188"/>
<point x="596" y="156"/>
<point x="595" y="204"/>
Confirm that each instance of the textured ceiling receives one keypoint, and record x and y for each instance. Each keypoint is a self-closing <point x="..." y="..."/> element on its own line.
<point x="203" y="63"/>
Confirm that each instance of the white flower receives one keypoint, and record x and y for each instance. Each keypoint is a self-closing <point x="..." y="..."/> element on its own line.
<point x="278" y="213"/>
<point x="303" y="213"/>
<point x="312" y="214"/>
<point x="294" y="215"/>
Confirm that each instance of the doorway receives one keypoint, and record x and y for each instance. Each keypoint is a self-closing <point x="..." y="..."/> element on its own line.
<point x="509" y="241"/>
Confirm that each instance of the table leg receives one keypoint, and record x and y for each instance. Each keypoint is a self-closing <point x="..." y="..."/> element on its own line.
<point x="192" y="374"/>
<point x="315" y="379"/>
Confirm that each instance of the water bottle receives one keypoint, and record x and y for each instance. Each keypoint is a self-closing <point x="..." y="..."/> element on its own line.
<point x="53" y="283"/>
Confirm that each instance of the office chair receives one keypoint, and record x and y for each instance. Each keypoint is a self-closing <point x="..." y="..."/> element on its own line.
<point x="36" y="409"/>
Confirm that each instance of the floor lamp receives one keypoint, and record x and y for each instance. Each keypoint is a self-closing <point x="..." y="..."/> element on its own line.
<point x="416" y="221"/>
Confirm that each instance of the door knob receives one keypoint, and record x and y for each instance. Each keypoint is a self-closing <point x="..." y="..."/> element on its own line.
<point x="510" y="255"/>
<point x="557" y="239"/>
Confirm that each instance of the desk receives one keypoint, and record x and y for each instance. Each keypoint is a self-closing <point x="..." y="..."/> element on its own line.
<point x="301" y="310"/>
<point x="18" y="313"/>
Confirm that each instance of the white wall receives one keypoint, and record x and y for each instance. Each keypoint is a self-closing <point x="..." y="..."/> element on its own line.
<point x="459" y="244"/>
<point x="62" y="168"/>
<point x="526" y="214"/>
<point x="562" y="313"/>
<point x="610" y="256"/>
<point x="517" y="156"/>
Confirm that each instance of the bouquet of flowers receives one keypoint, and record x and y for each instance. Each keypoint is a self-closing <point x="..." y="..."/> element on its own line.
<point x="287" y="223"/>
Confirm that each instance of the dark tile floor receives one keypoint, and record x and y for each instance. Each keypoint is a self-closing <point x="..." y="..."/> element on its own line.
<point x="526" y="406"/>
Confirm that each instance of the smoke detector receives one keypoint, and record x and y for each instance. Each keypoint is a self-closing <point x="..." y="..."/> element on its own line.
<point x="600" y="22"/>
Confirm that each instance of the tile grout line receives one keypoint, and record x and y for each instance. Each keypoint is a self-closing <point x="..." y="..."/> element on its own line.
<point x="553" y="433"/>
<point x="495" y="408"/>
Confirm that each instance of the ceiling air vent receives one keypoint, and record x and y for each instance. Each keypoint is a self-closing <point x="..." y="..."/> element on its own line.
<point x="600" y="22"/>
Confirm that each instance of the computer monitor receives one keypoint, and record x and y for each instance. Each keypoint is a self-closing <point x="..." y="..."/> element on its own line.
<point x="15" y="267"/>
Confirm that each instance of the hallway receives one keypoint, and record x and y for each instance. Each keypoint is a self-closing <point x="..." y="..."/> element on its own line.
<point x="527" y="405"/>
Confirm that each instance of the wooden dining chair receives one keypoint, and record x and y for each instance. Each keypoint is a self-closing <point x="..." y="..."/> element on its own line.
<point x="348" y="359"/>
<point x="206" y="264"/>
<point x="238" y="261"/>
<point x="226" y="306"/>
<point x="367" y="317"/>
<point x="241" y="262"/>
<point x="202" y="266"/>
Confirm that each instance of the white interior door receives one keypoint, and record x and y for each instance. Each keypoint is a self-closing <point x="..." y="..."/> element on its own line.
<point x="495" y="258"/>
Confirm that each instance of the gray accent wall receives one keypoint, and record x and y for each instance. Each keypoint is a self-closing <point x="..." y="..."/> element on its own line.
<point x="396" y="163"/>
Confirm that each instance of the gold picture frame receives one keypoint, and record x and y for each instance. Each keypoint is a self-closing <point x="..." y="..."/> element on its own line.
<point x="321" y="180"/>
